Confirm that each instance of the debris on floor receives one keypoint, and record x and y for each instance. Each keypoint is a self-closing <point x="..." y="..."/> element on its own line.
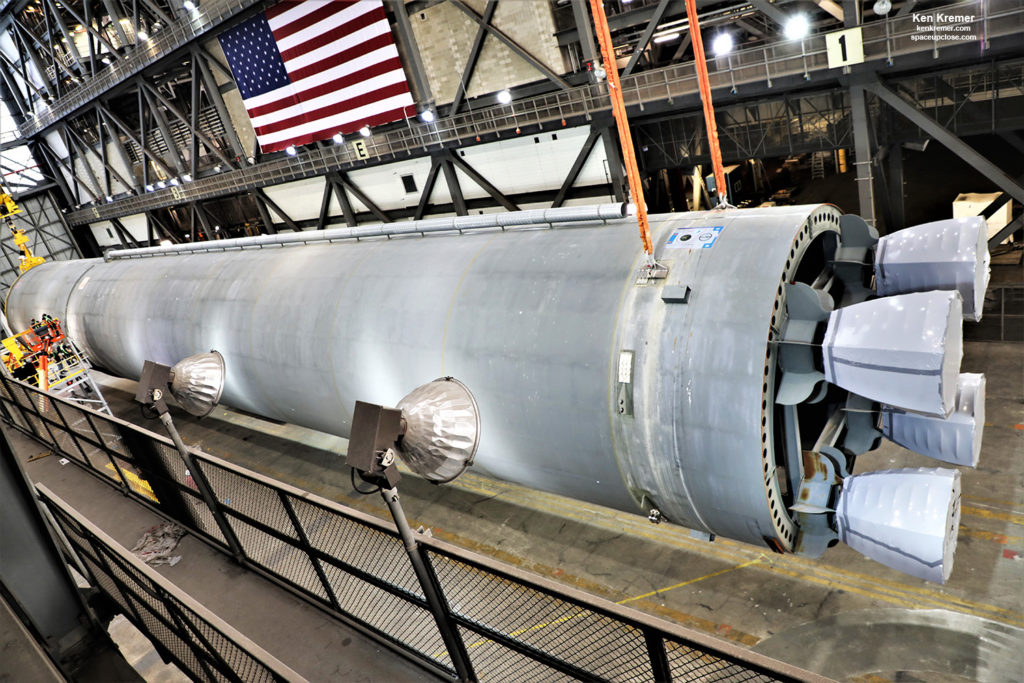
<point x="156" y="545"/>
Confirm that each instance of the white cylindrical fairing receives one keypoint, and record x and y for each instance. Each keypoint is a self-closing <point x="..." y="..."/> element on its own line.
<point x="901" y="350"/>
<point x="951" y="254"/>
<point x="905" y="519"/>
<point x="955" y="439"/>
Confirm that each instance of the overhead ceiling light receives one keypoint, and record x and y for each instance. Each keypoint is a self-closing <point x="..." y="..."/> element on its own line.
<point x="174" y="181"/>
<point x="290" y="150"/>
<point x="217" y="168"/>
<point x="722" y="44"/>
<point x="427" y="116"/>
<point x="797" y="27"/>
<point x="141" y="35"/>
<point x="667" y="37"/>
<point x="149" y="188"/>
<point x="110" y="199"/>
<point x="189" y="5"/>
<point x="105" y="60"/>
<point x="504" y="96"/>
<point x="338" y="138"/>
<point x="365" y="131"/>
<point x="161" y="184"/>
<point x="165" y="243"/>
<point x="187" y="177"/>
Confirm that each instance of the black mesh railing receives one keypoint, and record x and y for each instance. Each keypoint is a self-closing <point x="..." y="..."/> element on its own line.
<point x="463" y="616"/>
<point x="1003" y="318"/>
<point x="197" y="641"/>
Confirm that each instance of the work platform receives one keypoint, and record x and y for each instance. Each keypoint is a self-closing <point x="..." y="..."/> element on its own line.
<point x="806" y="612"/>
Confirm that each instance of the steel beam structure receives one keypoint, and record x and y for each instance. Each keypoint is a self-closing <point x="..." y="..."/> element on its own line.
<point x="948" y="140"/>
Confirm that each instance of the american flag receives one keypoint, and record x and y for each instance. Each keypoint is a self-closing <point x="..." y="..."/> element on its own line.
<point x="307" y="70"/>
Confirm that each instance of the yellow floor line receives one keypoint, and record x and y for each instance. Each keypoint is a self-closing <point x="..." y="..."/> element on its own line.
<point x="800" y="568"/>
<point x="137" y="483"/>
<point x="562" y="620"/>
<point x="1011" y="517"/>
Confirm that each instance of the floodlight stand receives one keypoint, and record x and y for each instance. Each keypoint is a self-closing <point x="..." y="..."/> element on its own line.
<point x="428" y="582"/>
<point x="152" y="385"/>
<point x="199" y="477"/>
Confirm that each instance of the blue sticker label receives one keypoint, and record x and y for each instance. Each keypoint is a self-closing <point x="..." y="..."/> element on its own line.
<point x="694" y="238"/>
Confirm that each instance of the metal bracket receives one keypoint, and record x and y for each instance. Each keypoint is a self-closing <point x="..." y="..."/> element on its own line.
<point x="651" y="271"/>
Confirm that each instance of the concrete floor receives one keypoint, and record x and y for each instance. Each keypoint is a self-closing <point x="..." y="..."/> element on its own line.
<point x="844" y="615"/>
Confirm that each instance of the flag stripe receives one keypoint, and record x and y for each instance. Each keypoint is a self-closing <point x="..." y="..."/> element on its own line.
<point x="351" y="67"/>
<point x="329" y="109"/>
<point x="308" y="69"/>
<point x="338" y="86"/>
<point x="345" y="123"/>
<point x="372" y="45"/>
<point x="322" y="47"/>
<point x="325" y="19"/>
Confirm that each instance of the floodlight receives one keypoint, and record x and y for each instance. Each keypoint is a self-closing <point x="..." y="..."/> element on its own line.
<point x="338" y="138"/>
<point x="435" y="430"/>
<point x="906" y="519"/>
<point x="882" y="7"/>
<point x="142" y="35"/>
<point x="722" y="44"/>
<point x="290" y="150"/>
<point x="667" y="37"/>
<point x="189" y="5"/>
<point x="797" y="27"/>
<point x="903" y="350"/>
<point x="427" y="116"/>
<point x="950" y="254"/>
<point x="198" y="381"/>
<point x="442" y="429"/>
<point x="955" y="439"/>
<point x="504" y="96"/>
<point x="195" y="382"/>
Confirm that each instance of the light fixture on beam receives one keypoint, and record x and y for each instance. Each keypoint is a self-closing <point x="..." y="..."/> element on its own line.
<point x="427" y="116"/>
<point x="365" y="131"/>
<point x="722" y="44"/>
<point x="290" y="150"/>
<point x="667" y="37"/>
<point x="797" y="27"/>
<point x="338" y="138"/>
<point x="504" y="96"/>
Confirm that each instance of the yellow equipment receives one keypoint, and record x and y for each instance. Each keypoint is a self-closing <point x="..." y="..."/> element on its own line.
<point x="8" y="208"/>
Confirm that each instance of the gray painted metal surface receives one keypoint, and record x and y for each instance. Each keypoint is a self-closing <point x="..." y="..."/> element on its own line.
<point x="535" y="320"/>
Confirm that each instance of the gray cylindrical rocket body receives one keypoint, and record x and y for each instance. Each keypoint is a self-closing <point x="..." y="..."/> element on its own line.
<point x="591" y="384"/>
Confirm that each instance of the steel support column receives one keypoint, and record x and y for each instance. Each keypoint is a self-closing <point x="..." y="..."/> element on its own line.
<point x="474" y="55"/>
<point x="451" y="178"/>
<point x="862" y="153"/>
<point x="411" y="55"/>
<point x="616" y="170"/>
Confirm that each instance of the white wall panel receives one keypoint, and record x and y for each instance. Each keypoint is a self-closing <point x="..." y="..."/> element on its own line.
<point x="529" y="163"/>
<point x="106" y="236"/>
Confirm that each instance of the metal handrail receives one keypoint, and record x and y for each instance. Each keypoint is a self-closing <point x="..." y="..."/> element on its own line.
<point x="144" y="584"/>
<point x="308" y="531"/>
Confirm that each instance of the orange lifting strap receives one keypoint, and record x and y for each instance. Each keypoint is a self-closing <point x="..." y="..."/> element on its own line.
<point x="636" y="189"/>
